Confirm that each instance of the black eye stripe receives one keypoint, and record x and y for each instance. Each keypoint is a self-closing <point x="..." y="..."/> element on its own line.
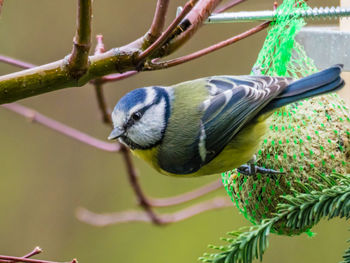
<point x="131" y="120"/>
<point x="136" y="116"/>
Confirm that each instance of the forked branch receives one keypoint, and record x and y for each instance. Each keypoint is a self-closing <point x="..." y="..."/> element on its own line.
<point x="58" y="75"/>
<point x="27" y="258"/>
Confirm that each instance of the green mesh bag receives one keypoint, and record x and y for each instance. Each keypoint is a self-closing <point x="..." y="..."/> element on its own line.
<point x="308" y="140"/>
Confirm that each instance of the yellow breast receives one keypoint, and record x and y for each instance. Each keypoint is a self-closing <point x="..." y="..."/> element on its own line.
<point x="239" y="151"/>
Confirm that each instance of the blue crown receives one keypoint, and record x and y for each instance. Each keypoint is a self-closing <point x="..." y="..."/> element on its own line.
<point x="131" y="99"/>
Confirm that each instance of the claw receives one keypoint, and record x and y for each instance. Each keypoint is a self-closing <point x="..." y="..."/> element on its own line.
<point x="251" y="169"/>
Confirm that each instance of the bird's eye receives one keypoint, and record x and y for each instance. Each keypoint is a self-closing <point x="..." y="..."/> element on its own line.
<point x="136" y="116"/>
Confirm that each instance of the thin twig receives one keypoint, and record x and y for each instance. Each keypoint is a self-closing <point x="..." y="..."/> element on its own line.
<point x="118" y="76"/>
<point x="134" y="181"/>
<point x="105" y="114"/>
<point x="195" y="19"/>
<point x="165" y="35"/>
<point x="106" y="118"/>
<point x="227" y="6"/>
<point x="177" y="61"/>
<point x="35" y="251"/>
<point x="92" y="218"/>
<point x="22" y="259"/>
<point x="79" y="59"/>
<point x="100" y="46"/>
<point x="61" y="128"/>
<point x="16" y="62"/>
<point x="158" y="19"/>
<point x="180" y="199"/>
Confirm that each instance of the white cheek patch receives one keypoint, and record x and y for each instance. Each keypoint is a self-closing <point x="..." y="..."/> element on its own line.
<point x="148" y="130"/>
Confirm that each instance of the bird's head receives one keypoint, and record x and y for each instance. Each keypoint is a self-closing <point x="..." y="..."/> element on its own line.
<point x="141" y="116"/>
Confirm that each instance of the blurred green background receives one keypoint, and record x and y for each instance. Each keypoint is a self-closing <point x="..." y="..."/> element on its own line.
<point x="45" y="176"/>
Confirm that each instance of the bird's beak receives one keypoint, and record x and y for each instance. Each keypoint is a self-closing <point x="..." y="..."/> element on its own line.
<point x="116" y="133"/>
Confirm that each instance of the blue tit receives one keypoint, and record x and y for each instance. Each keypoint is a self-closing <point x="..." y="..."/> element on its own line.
<point x="208" y="125"/>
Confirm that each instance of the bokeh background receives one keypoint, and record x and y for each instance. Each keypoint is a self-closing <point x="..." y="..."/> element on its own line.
<point x="45" y="176"/>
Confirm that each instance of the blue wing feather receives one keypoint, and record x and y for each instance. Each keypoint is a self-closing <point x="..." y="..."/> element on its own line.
<point x="226" y="113"/>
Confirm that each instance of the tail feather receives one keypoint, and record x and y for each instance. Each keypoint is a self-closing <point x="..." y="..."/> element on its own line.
<point x="322" y="82"/>
<point x="313" y="81"/>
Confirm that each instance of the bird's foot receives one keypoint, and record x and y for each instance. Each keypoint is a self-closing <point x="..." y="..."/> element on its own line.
<point x="249" y="169"/>
<point x="252" y="169"/>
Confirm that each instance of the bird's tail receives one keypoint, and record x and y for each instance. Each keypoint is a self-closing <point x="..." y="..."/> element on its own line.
<point x="319" y="83"/>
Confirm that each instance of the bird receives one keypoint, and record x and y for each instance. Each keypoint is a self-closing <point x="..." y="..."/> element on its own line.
<point x="209" y="125"/>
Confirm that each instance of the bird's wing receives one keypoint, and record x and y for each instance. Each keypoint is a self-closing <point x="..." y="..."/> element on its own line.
<point x="234" y="102"/>
<point x="230" y="102"/>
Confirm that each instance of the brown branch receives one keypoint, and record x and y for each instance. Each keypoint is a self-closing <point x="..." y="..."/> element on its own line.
<point x="133" y="179"/>
<point x="227" y="6"/>
<point x="92" y="218"/>
<point x="180" y="199"/>
<point x="165" y="35"/>
<point x="23" y="259"/>
<point x="177" y="61"/>
<point x="78" y="61"/>
<point x="106" y="118"/>
<point x="16" y="62"/>
<point x="105" y="114"/>
<point x="35" y="251"/>
<point x="118" y="76"/>
<point x="158" y="19"/>
<point x="61" y="128"/>
<point x="56" y="75"/>
<point x="100" y="46"/>
<point x="196" y="18"/>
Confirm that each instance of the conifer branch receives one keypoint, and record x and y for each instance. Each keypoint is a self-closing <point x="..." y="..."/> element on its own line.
<point x="300" y="211"/>
<point x="346" y="256"/>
